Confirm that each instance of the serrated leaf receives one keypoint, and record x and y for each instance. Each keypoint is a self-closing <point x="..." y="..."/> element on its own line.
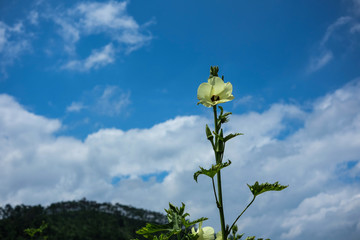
<point x="153" y="228"/>
<point x="189" y="224"/>
<point x="161" y="237"/>
<point x="258" y="189"/>
<point x="232" y="135"/>
<point x="239" y="236"/>
<point x="212" y="171"/>
<point x="250" y="238"/>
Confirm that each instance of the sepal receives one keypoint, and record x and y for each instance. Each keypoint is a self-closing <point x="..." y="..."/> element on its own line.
<point x="214" y="71"/>
<point x="223" y="118"/>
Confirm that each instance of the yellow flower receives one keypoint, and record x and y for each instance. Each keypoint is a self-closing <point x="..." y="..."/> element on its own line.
<point x="219" y="236"/>
<point x="215" y="91"/>
<point x="206" y="233"/>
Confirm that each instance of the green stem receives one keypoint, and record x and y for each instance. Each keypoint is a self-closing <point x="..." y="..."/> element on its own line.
<point x="221" y="208"/>
<point x="218" y="158"/>
<point x="216" y="199"/>
<point x="242" y="213"/>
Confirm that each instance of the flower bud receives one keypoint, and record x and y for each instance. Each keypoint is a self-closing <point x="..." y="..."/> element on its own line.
<point x="208" y="133"/>
<point x="220" y="143"/>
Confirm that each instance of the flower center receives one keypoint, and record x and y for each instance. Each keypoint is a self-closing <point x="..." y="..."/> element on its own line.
<point x="215" y="98"/>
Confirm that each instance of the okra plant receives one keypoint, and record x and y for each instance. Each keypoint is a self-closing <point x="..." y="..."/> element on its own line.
<point x="210" y="94"/>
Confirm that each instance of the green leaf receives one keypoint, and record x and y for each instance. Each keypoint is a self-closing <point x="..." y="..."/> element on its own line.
<point x="177" y="223"/>
<point x="232" y="135"/>
<point x="239" y="236"/>
<point x="189" y="224"/>
<point x="161" y="237"/>
<point x="250" y="238"/>
<point x="258" y="189"/>
<point x="153" y="228"/>
<point x="212" y="171"/>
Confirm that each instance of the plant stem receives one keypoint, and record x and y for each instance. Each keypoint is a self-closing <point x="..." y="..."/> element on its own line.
<point x="218" y="158"/>
<point x="221" y="208"/>
<point x="242" y="213"/>
<point x="216" y="199"/>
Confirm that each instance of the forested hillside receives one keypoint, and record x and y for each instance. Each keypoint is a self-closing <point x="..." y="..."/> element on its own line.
<point x="75" y="220"/>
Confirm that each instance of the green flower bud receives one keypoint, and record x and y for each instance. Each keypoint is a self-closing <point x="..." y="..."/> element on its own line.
<point x="220" y="143"/>
<point x="208" y="133"/>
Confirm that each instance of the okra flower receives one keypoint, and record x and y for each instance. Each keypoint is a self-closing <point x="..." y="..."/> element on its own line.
<point x="219" y="236"/>
<point x="206" y="233"/>
<point x="215" y="91"/>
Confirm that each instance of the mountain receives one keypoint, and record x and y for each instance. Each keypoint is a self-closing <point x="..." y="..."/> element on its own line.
<point x="76" y="220"/>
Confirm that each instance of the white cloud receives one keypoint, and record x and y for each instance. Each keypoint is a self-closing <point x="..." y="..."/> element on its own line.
<point x="111" y="15"/>
<point x="322" y="201"/>
<point x="3" y="38"/>
<point x="355" y="28"/>
<point x="75" y="107"/>
<point x="343" y="206"/>
<point x="109" y="20"/>
<point x="13" y="43"/>
<point x="69" y="33"/>
<point x="33" y="17"/>
<point x="340" y="29"/>
<point x="333" y="27"/>
<point x="244" y="100"/>
<point x="103" y="100"/>
<point x="319" y="62"/>
<point x="98" y="58"/>
<point x="356" y="7"/>
<point x="112" y="101"/>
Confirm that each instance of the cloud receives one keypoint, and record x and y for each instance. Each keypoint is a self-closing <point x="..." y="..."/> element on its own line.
<point x="355" y="28"/>
<point x="118" y="34"/>
<point x="356" y="7"/>
<point x="314" y="210"/>
<point x="340" y="32"/>
<point x="112" y="101"/>
<point x="103" y="100"/>
<point x="319" y="160"/>
<point x="75" y="107"/>
<point x="97" y="59"/>
<point x="332" y="28"/>
<point x="97" y="16"/>
<point x="244" y="100"/>
<point x="13" y="43"/>
<point x="109" y="20"/>
<point x="34" y="17"/>
<point x="319" y="62"/>
<point x="69" y="33"/>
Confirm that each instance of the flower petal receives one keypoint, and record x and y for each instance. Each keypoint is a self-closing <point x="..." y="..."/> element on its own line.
<point x="218" y="85"/>
<point x="215" y="91"/>
<point x="208" y="233"/>
<point x="204" y="91"/>
<point x="219" y="236"/>
<point x="204" y="94"/>
<point x="227" y="92"/>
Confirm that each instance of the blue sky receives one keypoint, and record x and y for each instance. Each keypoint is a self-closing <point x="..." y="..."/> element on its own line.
<point x="101" y="95"/>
